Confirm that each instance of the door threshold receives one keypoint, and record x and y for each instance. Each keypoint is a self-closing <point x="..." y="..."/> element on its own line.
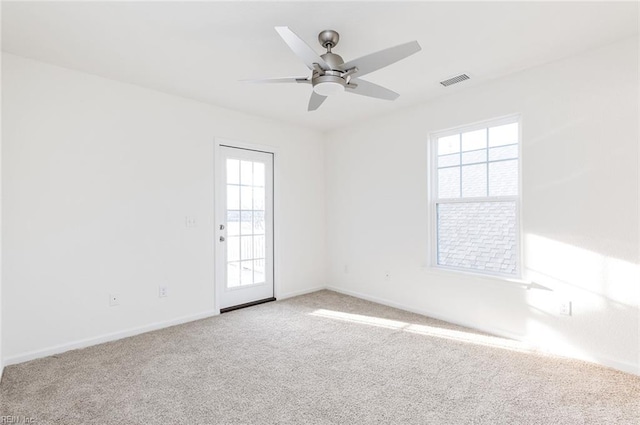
<point x="249" y="304"/>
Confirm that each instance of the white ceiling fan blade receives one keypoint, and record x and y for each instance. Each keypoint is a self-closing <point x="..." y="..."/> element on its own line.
<point x="374" y="61"/>
<point x="366" y="88"/>
<point x="302" y="49"/>
<point x="279" y="80"/>
<point x="315" y="101"/>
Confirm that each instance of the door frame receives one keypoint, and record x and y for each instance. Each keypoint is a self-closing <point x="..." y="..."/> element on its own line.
<point x="217" y="247"/>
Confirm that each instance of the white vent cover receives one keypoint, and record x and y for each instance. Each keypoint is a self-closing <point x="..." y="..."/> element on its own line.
<point x="454" y="80"/>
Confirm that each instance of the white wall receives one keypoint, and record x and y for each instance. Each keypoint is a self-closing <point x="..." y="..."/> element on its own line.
<point x="1" y="356"/>
<point x="98" y="179"/>
<point x="580" y="208"/>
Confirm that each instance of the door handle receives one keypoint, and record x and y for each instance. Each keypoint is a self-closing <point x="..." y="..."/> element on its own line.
<point x="221" y="238"/>
<point x="222" y="227"/>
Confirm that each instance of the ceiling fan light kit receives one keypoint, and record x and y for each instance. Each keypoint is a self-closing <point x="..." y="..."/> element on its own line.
<point x="328" y="85"/>
<point x="330" y="75"/>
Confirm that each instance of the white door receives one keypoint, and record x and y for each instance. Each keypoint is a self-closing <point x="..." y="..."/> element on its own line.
<point x="244" y="226"/>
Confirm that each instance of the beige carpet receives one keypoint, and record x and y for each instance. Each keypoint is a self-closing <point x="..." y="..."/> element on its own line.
<point x="322" y="358"/>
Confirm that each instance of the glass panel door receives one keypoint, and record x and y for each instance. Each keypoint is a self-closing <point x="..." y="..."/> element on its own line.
<point x="245" y="217"/>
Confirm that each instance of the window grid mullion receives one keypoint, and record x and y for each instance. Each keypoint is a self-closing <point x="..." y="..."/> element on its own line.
<point x="481" y="162"/>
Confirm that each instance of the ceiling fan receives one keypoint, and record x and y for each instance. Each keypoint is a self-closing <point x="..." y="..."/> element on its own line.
<point x="331" y="74"/>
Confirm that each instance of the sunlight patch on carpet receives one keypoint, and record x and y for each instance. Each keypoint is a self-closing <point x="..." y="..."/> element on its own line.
<point x="426" y="330"/>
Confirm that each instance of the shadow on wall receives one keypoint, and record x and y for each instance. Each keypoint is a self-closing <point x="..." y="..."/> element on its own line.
<point x="604" y="293"/>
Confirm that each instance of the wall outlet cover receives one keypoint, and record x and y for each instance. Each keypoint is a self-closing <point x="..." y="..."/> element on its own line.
<point x="565" y="308"/>
<point x="163" y="291"/>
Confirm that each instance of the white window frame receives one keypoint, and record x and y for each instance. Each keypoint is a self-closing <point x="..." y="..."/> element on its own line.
<point x="434" y="200"/>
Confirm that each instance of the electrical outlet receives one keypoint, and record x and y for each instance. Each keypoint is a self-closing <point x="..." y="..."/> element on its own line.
<point x="387" y="275"/>
<point x="190" y="221"/>
<point x="565" y="308"/>
<point x="163" y="291"/>
<point x="114" y="300"/>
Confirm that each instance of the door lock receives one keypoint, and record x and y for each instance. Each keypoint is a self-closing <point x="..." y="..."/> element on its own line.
<point x="221" y="238"/>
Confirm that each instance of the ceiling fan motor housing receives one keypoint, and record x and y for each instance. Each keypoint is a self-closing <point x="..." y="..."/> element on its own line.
<point x="330" y="82"/>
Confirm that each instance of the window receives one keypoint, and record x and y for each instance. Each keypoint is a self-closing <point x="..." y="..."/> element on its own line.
<point x="475" y="198"/>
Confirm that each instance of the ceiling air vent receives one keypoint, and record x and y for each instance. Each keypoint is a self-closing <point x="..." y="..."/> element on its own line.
<point x="454" y="80"/>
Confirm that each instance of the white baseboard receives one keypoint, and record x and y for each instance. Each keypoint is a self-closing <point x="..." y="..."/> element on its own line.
<point x="602" y="361"/>
<point x="298" y="293"/>
<point x="83" y="343"/>
<point x="57" y="349"/>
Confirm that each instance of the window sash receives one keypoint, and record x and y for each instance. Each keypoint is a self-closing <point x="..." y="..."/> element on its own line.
<point x="506" y="198"/>
<point x="435" y="248"/>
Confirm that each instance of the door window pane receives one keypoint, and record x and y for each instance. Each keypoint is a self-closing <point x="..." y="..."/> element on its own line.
<point x="259" y="271"/>
<point x="258" y="198"/>
<point x="258" y="223"/>
<point x="233" y="223"/>
<point x="233" y="197"/>
<point x="246" y="173"/>
<point x="246" y="198"/>
<point x="246" y="252"/>
<point x="258" y="174"/>
<point x="259" y="247"/>
<point x="246" y="272"/>
<point x="233" y="274"/>
<point x="233" y="248"/>
<point x="233" y="171"/>
<point x="246" y="223"/>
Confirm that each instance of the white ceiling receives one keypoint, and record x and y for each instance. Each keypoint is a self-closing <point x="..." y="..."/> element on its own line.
<point x="200" y="50"/>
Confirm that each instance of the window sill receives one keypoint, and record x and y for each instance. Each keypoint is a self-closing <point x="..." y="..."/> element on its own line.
<point x="443" y="271"/>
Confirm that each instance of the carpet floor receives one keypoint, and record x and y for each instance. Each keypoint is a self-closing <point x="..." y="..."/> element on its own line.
<point x="322" y="358"/>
